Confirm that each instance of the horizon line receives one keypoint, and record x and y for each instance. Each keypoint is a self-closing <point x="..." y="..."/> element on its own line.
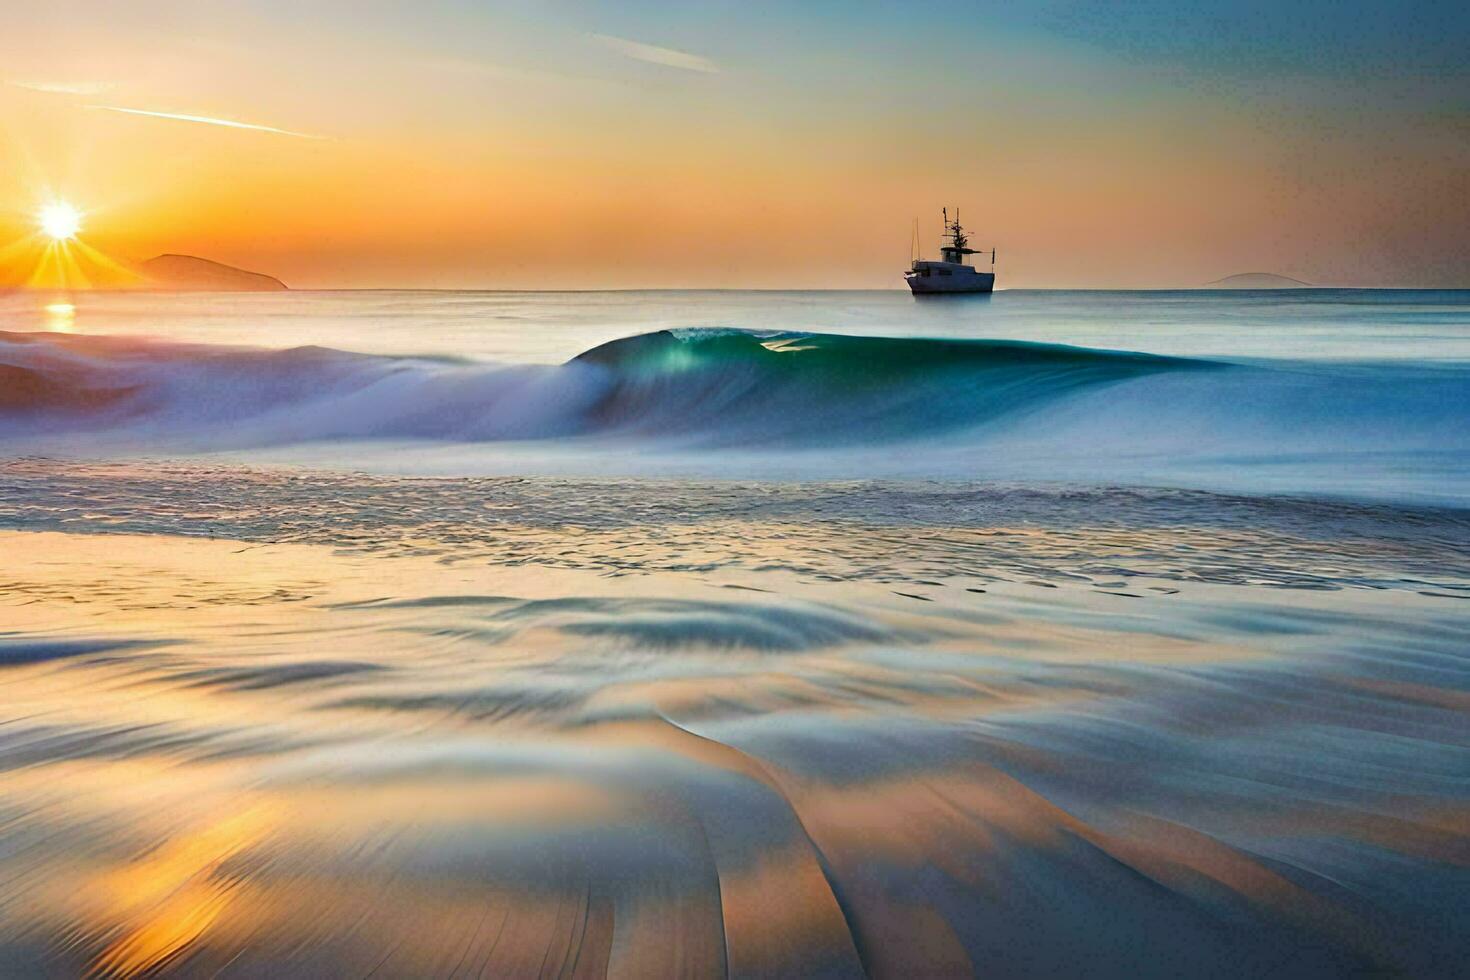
<point x="728" y="289"/>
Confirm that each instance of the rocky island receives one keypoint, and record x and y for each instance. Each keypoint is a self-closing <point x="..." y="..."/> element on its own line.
<point x="189" y="272"/>
<point x="1257" y="280"/>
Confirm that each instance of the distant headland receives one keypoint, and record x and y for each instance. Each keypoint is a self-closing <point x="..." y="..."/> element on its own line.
<point x="1257" y="280"/>
<point x="189" y="272"/>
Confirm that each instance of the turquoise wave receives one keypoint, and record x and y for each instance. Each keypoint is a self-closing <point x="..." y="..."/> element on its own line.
<point x="742" y="386"/>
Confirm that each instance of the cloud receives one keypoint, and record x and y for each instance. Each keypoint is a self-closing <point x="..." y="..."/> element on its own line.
<point x="65" y="88"/>
<point x="655" y="55"/>
<point x="207" y="120"/>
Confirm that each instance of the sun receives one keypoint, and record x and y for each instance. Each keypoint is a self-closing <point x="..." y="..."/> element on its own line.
<point x="59" y="220"/>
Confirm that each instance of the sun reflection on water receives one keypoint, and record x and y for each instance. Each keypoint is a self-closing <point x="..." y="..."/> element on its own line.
<point x="61" y="317"/>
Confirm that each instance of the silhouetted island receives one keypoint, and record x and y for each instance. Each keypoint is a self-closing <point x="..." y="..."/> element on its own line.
<point x="1257" y="280"/>
<point x="192" y="272"/>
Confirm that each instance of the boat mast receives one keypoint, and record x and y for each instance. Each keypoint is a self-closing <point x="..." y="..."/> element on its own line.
<point x="960" y="239"/>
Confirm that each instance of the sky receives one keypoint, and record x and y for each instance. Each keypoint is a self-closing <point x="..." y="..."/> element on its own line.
<point x="579" y="144"/>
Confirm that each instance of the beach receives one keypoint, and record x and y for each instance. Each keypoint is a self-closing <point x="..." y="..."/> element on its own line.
<point x="494" y="634"/>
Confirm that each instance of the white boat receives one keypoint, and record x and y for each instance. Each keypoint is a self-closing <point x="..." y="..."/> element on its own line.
<point x="953" y="273"/>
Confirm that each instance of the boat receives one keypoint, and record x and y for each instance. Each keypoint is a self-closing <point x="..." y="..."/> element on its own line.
<point x="953" y="273"/>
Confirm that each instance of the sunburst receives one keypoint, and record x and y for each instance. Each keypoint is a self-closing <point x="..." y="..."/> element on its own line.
<point x="59" y="221"/>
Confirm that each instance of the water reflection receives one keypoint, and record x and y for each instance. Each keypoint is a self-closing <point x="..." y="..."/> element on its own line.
<point x="60" y="317"/>
<point x="259" y="758"/>
<point x="259" y="723"/>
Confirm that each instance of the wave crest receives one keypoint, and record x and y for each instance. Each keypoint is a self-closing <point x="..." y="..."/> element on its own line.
<point x="894" y="406"/>
<point x="716" y="387"/>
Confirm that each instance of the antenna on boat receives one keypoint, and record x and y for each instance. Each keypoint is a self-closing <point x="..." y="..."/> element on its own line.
<point x="916" y="250"/>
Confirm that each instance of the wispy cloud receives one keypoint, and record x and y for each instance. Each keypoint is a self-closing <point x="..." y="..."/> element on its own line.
<point x="64" y="88"/>
<point x="207" y="120"/>
<point x="655" y="55"/>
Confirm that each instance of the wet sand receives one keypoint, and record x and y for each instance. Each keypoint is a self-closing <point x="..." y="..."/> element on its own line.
<point x="337" y="725"/>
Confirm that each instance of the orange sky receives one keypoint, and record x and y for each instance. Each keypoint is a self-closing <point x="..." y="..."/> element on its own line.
<point x="562" y="145"/>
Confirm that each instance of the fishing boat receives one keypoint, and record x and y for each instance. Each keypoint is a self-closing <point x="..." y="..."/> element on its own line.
<point x="954" y="271"/>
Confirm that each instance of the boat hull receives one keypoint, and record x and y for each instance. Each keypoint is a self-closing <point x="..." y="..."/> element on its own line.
<point x="979" y="282"/>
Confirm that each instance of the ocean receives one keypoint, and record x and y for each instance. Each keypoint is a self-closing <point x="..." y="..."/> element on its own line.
<point x="799" y="633"/>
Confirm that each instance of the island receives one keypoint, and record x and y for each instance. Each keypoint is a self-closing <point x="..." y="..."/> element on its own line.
<point x="189" y="272"/>
<point x="1257" y="280"/>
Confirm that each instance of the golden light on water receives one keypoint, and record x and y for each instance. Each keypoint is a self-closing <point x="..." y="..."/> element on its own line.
<point x="60" y="317"/>
<point x="59" y="221"/>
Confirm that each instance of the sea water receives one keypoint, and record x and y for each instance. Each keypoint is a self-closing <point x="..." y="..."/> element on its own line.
<point x="455" y="633"/>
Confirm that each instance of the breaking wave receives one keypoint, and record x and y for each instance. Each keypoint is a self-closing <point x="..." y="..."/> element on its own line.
<point x="719" y="386"/>
<point x="704" y="390"/>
